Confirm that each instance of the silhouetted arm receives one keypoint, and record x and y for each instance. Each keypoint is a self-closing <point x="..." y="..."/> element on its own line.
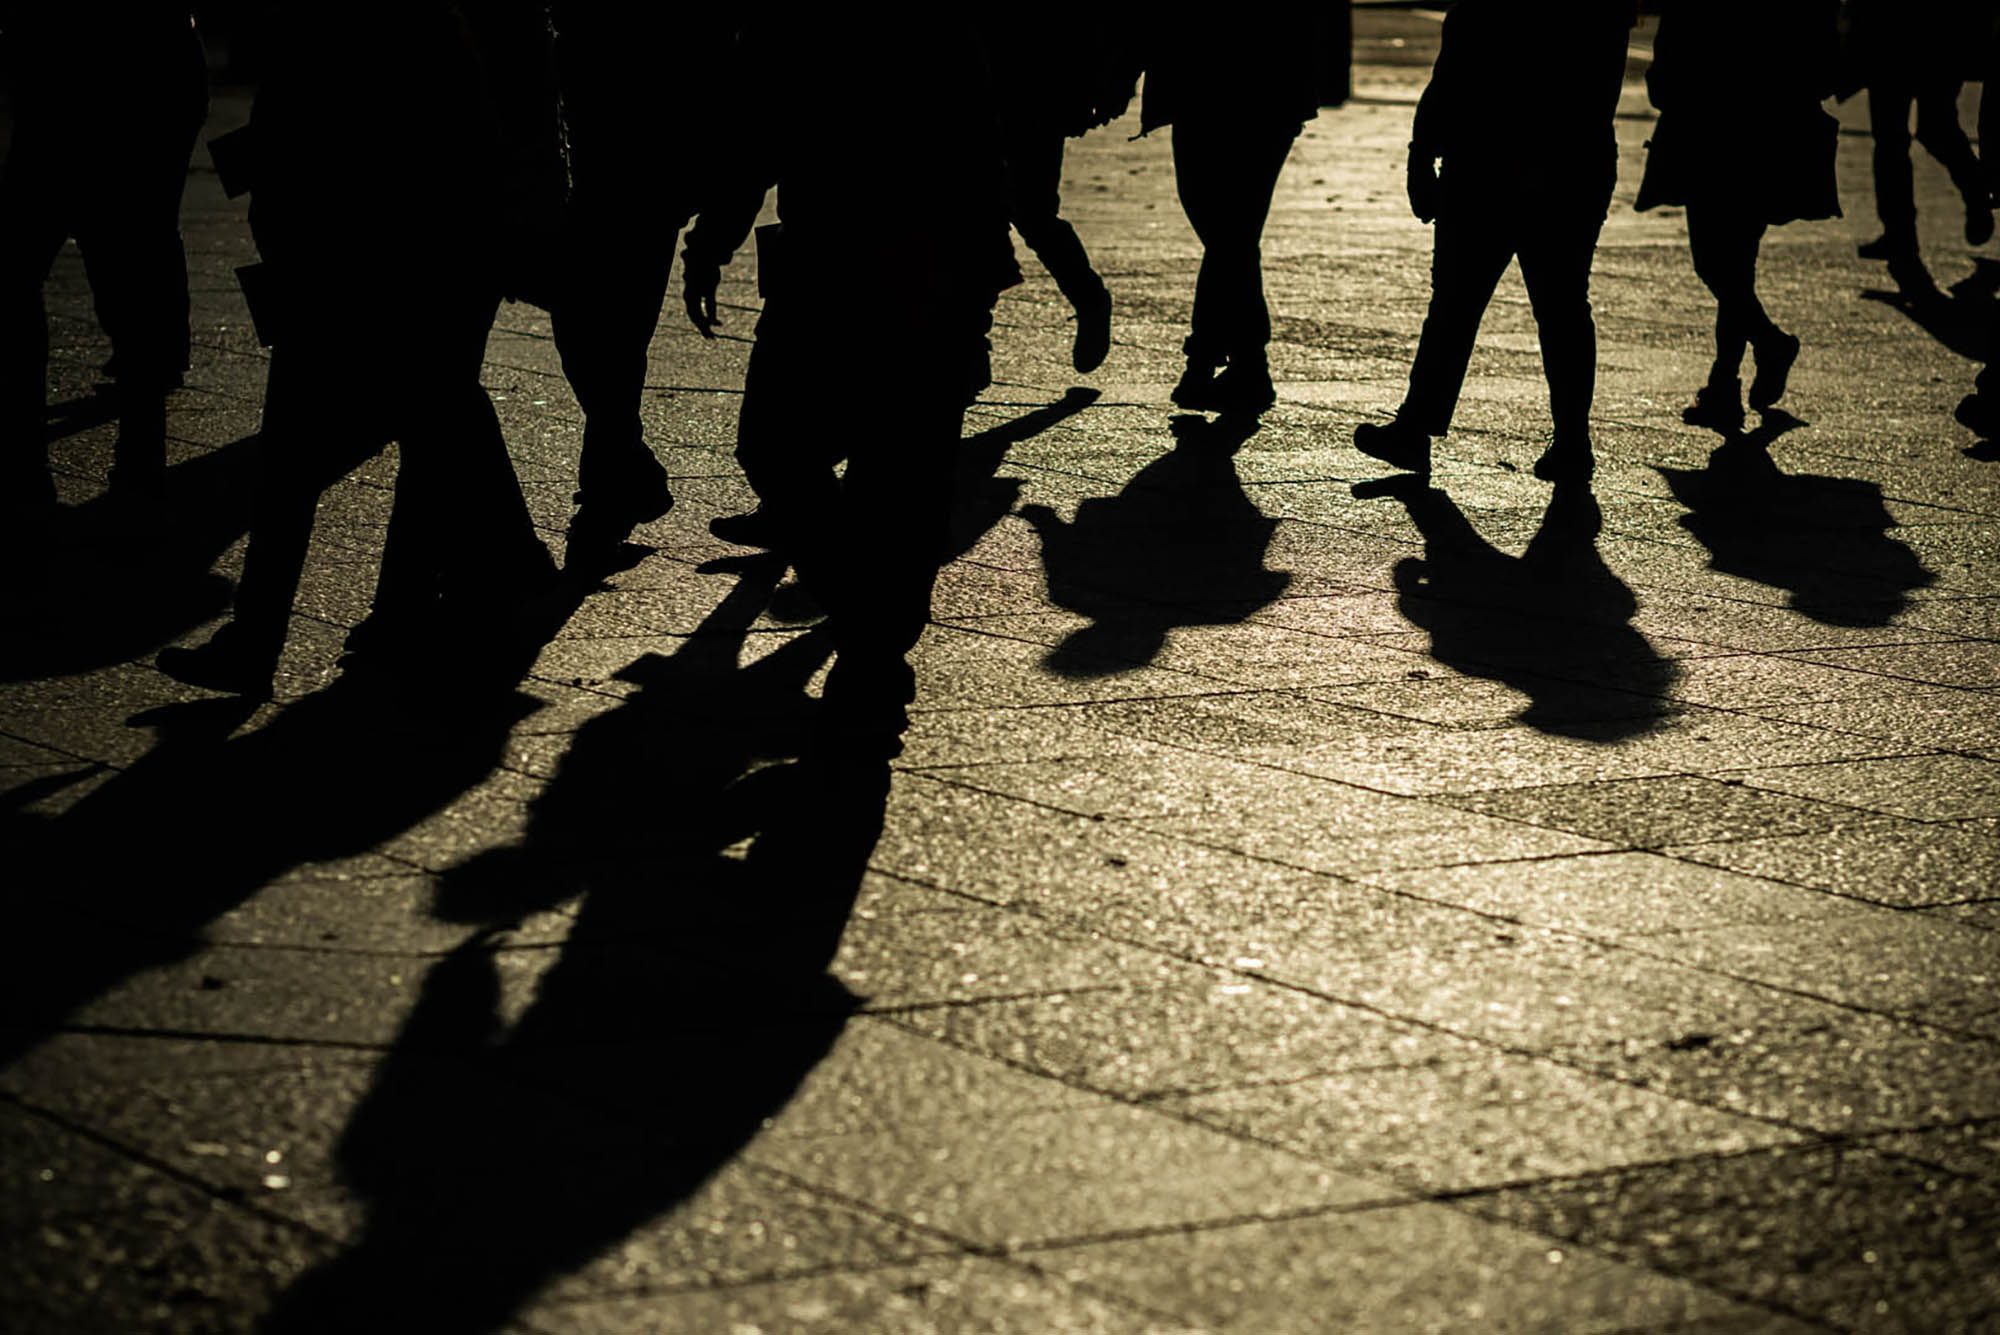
<point x="718" y="233"/>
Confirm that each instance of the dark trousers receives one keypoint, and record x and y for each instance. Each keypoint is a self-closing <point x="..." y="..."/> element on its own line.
<point x="1225" y="174"/>
<point x="1555" y="244"/>
<point x="1938" y="130"/>
<point x="1034" y="190"/>
<point x="868" y="543"/>
<point x="631" y="193"/>
<point x="1723" y="242"/>
<point x="458" y="525"/>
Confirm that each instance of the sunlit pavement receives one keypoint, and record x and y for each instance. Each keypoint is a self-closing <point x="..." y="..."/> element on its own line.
<point x="1295" y="910"/>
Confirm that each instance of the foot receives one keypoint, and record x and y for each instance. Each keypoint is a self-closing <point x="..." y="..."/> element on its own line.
<point x="1243" y="388"/>
<point x="224" y="664"/>
<point x="629" y="486"/>
<point x="1567" y="459"/>
<point x="1774" y="363"/>
<point x="1196" y="390"/>
<point x="1397" y="443"/>
<point x="1093" y="334"/>
<point x="754" y="528"/>
<point x="1718" y="405"/>
<point x="1887" y="246"/>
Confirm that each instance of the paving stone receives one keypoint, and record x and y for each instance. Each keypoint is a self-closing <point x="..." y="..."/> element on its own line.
<point x="1647" y="813"/>
<point x="1931" y="787"/>
<point x="1850" y="1237"/>
<point x="1398" y="1268"/>
<point x="1898" y="862"/>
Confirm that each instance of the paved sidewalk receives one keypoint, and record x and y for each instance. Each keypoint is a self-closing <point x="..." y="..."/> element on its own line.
<point x="1296" y="910"/>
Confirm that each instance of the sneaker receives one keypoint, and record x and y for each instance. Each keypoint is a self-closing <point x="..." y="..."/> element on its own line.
<point x="1093" y="335"/>
<point x="1718" y="405"/>
<point x="1566" y="460"/>
<point x="1396" y="442"/>
<point x="1774" y="363"/>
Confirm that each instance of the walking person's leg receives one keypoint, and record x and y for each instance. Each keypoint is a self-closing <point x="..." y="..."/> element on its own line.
<point x="1034" y="185"/>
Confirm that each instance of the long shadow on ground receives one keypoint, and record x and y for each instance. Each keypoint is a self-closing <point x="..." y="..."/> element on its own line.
<point x="128" y="877"/>
<point x="709" y="840"/>
<point x="118" y="580"/>
<point x="1824" y="540"/>
<point x="1553" y="622"/>
<point x="1180" y="545"/>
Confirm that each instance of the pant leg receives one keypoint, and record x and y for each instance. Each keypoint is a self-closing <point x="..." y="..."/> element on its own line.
<point x="628" y="204"/>
<point x="786" y="441"/>
<point x="1723" y="243"/>
<point x="1225" y="174"/>
<point x="1034" y="198"/>
<point x="1557" y="249"/>
<point x="130" y="231"/>
<point x="1889" y="123"/>
<point x="460" y="525"/>
<point x="1944" y="138"/>
<point x="1468" y="255"/>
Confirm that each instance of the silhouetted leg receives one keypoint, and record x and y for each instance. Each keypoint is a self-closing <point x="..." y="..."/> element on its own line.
<point x="460" y="526"/>
<point x="624" y="215"/>
<point x="1468" y="255"/>
<point x="783" y="442"/>
<point x="1034" y="184"/>
<point x="1940" y="133"/>
<point x="1724" y="247"/>
<point x="1895" y="199"/>
<point x="303" y="449"/>
<point x="1556" y="258"/>
<point x="1225" y="175"/>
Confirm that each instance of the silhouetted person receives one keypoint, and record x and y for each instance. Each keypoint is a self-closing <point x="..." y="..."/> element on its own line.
<point x="377" y="318"/>
<point x="1743" y="144"/>
<point x="106" y="101"/>
<point x="1236" y="85"/>
<point x="638" y="84"/>
<point x="1073" y="74"/>
<point x="1529" y="160"/>
<point x="882" y="273"/>
<point x="1911" y="52"/>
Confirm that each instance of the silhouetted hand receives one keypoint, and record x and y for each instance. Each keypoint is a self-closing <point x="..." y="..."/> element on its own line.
<point x="1423" y="185"/>
<point x="699" y="280"/>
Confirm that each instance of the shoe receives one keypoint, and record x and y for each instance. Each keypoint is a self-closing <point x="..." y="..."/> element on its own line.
<point x="1093" y="334"/>
<point x="1774" y="363"/>
<point x="1396" y="443"/>
<point x="1718" y="405"/>
<point x="223" y="664"/>
<point x="1888" y="246"/>
<point x="1196" y="390"/>
<point x="626" y="485"/>
<point x="1243" y="388"/>
<point x="753" y="528"/>
<point x="1979" y="414"/>
<point x="1566" y="460"/>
